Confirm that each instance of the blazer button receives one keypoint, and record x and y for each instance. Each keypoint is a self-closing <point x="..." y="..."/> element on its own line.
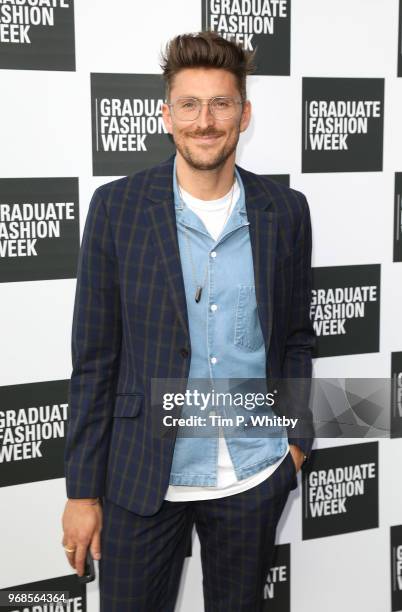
<point x="184" y="352"/>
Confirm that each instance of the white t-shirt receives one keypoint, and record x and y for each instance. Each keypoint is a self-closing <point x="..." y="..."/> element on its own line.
<point x="213" y="214"/>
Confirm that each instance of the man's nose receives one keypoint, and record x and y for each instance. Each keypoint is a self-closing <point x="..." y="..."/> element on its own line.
<point x="205" y="117"/>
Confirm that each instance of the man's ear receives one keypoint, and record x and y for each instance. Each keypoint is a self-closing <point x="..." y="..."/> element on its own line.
<point x="167" y="118"/>
<point x="245" y="116"/>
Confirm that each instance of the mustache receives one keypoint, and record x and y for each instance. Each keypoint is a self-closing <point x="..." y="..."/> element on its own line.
<point x="208" y="132"/>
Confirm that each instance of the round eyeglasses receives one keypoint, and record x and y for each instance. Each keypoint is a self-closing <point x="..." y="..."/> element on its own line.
<point x="188" y="109"/>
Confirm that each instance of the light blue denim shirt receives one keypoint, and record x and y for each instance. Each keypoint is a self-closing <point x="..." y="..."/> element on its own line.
<point x="226" y="340"/>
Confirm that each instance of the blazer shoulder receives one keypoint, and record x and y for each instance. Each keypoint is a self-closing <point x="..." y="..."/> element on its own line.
<point x="280" y="191"/>
<point x="285" y="200"/>
<point x="134" y="185"/>
<point x="111" y="188"/>
<point x="117" y="189"/>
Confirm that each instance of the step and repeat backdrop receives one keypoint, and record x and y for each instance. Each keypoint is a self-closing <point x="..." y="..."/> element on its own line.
<point x="80" y="105"/>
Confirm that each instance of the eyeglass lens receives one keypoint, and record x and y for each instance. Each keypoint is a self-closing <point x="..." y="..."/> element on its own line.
<point x="189" y="108"/>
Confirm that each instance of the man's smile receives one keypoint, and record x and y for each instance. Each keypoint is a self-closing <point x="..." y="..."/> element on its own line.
<point x="208" y="139"/>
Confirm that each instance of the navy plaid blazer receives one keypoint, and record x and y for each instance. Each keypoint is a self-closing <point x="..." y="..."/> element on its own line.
<point x="130" y="325"/>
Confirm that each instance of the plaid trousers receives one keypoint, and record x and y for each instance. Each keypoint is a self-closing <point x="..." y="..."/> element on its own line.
<point x="142" y="556"/>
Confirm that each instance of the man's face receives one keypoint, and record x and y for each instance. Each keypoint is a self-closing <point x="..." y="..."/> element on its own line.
<point x="206" y="143"/>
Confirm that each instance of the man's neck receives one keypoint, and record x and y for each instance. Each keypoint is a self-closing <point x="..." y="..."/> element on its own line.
<point x="205" y="184"/>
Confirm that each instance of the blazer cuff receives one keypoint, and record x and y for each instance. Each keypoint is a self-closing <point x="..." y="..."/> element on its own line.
<point x="304" y="444"/>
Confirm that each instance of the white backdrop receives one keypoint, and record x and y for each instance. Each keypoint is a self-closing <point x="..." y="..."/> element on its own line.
<point x="46" y="132"/>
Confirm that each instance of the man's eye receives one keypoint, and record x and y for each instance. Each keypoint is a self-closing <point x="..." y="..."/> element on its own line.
<point x="189" y="104"/>
<point x="222" y="103"/>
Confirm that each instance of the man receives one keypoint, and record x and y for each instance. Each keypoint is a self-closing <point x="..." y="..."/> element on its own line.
<point x="193" y="269"/>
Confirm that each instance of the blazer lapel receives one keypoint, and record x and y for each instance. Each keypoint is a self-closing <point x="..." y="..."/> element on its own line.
<point x="162" y="220"/>
<point x="263" y="237"/>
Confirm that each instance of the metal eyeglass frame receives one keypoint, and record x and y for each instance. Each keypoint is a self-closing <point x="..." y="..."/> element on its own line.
<point x="209" y="103"/>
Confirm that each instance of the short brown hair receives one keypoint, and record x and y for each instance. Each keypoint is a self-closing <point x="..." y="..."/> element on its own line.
<point x="206" y="50"/>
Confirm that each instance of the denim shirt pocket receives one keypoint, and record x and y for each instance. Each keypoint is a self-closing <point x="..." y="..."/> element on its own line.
<point x="247" y="334"/>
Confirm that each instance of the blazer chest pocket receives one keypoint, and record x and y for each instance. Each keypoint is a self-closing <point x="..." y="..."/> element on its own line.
<point x="248" y="334"/>
<point x="127" y="405"/>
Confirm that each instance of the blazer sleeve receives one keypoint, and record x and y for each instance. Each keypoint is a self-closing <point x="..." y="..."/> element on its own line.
<point x="95" y="348"/>
<point x="301" y="337"/>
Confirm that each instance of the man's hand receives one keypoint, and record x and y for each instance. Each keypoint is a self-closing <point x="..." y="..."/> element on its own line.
<point x="82" y="524"/>
<point x="297" y="455"/>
